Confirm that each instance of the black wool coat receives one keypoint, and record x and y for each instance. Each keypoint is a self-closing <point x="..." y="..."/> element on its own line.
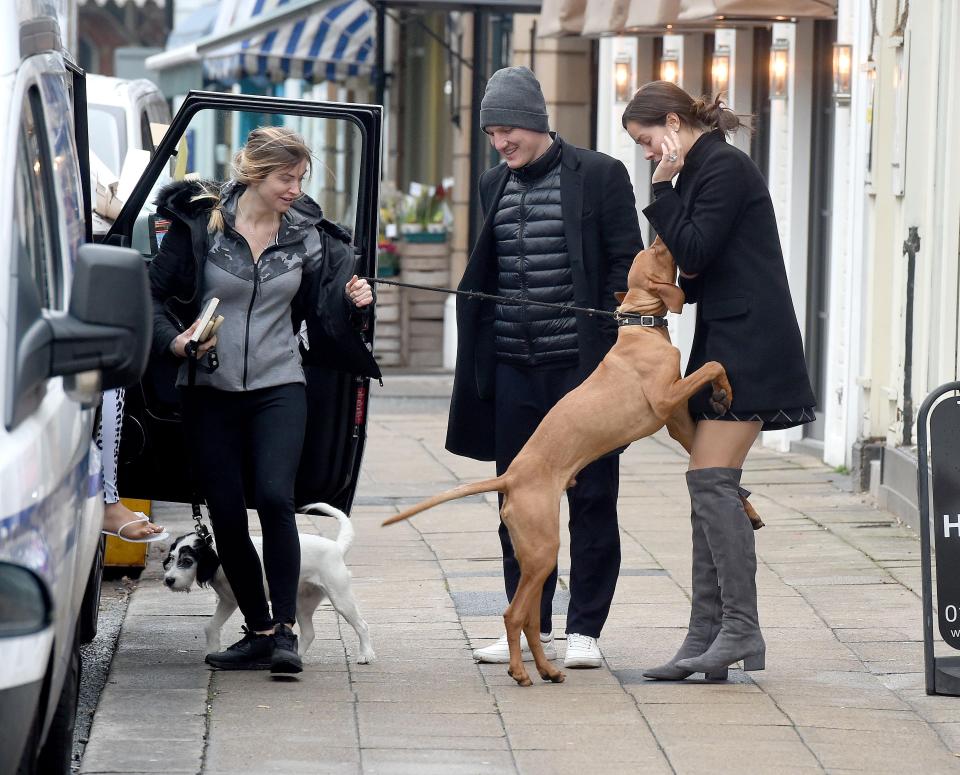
<point x="603" y="236"/>
<point x="719" y="224"/>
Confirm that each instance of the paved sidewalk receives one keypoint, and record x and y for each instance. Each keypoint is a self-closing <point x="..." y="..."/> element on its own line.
<point x="839" y="603"/>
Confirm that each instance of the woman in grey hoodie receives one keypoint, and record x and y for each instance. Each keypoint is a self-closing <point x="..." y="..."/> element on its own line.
<point x="263" y="248"/>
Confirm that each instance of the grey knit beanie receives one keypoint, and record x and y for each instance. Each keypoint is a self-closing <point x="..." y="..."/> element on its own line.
<point x="513" y="98"/>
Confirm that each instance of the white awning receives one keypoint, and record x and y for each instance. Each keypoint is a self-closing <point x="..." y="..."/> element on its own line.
<point x="701" y="10"/>
<point x="610" y="17"/>
<point x="328" y="45"/>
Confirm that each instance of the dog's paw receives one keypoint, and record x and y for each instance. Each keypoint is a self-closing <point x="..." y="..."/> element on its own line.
<point x="366" y="659"/>
<point x="719" y="401"/>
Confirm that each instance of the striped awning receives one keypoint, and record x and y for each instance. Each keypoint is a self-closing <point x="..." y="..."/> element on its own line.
<point x="329" y="45"/>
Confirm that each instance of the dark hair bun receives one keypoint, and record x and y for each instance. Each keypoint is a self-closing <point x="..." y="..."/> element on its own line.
<point x="715" y="114"/>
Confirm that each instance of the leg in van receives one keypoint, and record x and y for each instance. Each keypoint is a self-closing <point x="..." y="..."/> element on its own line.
<point x="118" y="520"/>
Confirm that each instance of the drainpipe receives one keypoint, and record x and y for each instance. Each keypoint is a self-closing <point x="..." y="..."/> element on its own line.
<point x="380" y="75"/>
<point x="911" y="247"/>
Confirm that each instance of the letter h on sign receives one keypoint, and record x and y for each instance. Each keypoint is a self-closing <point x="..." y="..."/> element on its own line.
<point x="948" y="525"/>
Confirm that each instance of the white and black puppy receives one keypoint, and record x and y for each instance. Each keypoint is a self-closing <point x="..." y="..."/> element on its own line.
<point x="323" y="575"/>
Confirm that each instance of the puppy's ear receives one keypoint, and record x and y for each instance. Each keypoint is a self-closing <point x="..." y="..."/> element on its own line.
<point x="207" y="563"/>
<point x="620" y="296"/>
<point x="671" y="295"/>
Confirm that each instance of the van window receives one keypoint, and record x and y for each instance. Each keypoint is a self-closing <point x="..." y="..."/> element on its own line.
<point x="34" y="227"/>
<point x="108" y="135"/>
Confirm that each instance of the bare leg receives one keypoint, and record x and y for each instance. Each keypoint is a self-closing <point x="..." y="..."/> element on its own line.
<point x="722" y="444"/>
<point x="682" y="428"/>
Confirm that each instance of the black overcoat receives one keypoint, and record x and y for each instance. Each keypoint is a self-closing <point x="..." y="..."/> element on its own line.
<point x="719" y="224"/>
<point x="603" y="236"/>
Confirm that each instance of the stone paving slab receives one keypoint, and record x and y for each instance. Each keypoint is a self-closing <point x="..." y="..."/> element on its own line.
<point x="839" y="602"/>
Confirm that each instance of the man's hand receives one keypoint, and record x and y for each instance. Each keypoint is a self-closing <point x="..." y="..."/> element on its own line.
<point x="359" y="292"/>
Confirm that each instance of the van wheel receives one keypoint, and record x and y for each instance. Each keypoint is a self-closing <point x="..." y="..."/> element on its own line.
<point x="57" y="752"/>
<point x="91" y="596"/>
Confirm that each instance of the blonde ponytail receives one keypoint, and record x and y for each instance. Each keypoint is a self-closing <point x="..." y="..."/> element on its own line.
<point x="211" y="192"/>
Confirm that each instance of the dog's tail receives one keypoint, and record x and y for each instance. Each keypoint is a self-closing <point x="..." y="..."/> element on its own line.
<point x="499" y="484"/>
<point x="346" y="534"/>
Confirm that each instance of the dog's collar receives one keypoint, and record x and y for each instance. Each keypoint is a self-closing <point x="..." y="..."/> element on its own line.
<point x="632" y="319"/>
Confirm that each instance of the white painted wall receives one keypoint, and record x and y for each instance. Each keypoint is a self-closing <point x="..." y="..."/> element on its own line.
<point x="789" y="176"/>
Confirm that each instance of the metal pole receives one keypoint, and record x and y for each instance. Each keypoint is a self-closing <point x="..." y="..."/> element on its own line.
<point x="911" y="247"/>
<point x="478" y="145"/>
<point x="381" y="76"/>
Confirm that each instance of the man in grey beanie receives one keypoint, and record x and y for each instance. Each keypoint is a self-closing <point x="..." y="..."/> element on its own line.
<point x="560" y="226"/>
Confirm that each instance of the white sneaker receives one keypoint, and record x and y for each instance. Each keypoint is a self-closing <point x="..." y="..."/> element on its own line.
<point x="499" y="653"/>
<point x="582" y="651"/>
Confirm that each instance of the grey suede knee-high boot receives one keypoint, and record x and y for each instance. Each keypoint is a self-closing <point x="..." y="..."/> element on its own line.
<point x="716" y="500"/>
<point x="705" y="612"/>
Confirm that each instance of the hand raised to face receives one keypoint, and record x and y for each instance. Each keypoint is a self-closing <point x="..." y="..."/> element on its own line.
<point x="671" y="159"/>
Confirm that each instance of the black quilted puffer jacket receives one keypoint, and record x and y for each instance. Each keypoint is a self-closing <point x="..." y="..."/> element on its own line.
<point x="533" y="263"/>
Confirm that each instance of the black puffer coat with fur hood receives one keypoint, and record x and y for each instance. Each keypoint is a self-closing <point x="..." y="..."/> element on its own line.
<point x="176" y="276"/>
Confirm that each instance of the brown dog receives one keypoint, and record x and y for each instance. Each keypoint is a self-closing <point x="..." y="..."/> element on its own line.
<point x="634" y="392"/>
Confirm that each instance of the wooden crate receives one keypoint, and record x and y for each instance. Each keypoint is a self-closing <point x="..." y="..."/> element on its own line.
<point x="421" y="311"/>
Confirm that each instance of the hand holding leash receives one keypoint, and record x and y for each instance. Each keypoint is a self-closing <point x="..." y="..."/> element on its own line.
<point x="359" y="291"/>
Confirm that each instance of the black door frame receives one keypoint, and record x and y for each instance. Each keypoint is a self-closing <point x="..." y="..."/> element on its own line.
<point x="367" y="118"/>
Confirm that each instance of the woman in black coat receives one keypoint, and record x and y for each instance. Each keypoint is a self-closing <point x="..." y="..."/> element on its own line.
<point x="719" y="224"/>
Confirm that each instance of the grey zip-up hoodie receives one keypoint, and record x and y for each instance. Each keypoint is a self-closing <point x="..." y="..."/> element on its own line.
<point x="256" y="345"/>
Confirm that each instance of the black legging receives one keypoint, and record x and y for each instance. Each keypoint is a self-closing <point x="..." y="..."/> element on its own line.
<point x="258" y="433"/>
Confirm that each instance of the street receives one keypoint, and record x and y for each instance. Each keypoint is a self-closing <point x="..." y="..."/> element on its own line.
<point x="839" y="589"/>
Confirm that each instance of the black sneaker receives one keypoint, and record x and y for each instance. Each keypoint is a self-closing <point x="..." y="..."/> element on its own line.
<point x="252" y="652"/>
<point x="285" y="657"/>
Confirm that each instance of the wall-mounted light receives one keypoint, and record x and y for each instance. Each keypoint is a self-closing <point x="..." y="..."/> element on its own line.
<point x="842" y="69"/>
<point x="670" y="67"/>
<point x="720" y="70"/>
<point x="779" y="68"/>
<point x="623" y="79"/>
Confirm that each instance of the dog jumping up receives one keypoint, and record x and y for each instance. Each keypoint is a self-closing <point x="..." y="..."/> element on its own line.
<point x="634" y="391"/>
<point x="323" y="575"/>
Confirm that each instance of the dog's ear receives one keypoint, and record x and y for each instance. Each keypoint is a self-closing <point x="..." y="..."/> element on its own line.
<point x="207" y="562"/>
<point x="620" y="296"/>
<point x="671" y="295"/>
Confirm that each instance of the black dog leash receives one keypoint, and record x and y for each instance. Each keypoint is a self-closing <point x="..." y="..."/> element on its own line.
<point x="622" y="318"/>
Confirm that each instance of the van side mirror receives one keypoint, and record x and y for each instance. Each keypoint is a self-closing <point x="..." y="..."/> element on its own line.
<point x="104" y="337"/>
<point x="109" y="325"/>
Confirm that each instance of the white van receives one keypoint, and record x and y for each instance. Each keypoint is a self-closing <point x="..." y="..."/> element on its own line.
<point x="119" y="114"/>
<point x="74" y="319"/>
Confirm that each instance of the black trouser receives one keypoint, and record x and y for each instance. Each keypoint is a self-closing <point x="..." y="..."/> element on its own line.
<point x="523" y="398"/>
<point x="256" y="434"/>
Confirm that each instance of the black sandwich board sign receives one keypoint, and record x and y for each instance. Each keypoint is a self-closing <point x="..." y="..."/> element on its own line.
<point x="942" y="673"/>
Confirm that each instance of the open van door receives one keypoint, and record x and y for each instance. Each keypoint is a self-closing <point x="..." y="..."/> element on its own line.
<point x="202" y="139"/>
